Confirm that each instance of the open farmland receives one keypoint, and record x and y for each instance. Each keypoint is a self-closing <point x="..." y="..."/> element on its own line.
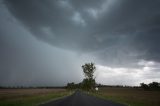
<point x="130" y="96"/>
<point x="29" y="97"/>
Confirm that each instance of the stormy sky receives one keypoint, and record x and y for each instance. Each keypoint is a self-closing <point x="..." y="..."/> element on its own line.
<point x="45" y="42"/>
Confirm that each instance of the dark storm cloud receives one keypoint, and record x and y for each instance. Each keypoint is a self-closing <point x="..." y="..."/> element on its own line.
<point x="41" y="17"/>
<point x="121" y="26"/>
<point x="56" y="16"/>
<point x="113" y="33"/>
<point x="27" y="61"/>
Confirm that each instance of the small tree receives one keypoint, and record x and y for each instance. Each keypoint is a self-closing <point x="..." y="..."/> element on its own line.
<point x="154" y="85"/>
<point x="144" y="86"/>
<point x="151" y="86"/>
<point x="89" y="69"/>
<point x="71" y="86"/>
<point x="89" y="81"/>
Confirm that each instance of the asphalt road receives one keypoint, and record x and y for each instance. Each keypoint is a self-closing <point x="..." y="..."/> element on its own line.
<point x="81" y="99"/>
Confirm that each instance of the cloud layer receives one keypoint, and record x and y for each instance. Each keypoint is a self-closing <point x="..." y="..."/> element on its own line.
<point x="105" y="25"/>
<point x="112" y="33"/>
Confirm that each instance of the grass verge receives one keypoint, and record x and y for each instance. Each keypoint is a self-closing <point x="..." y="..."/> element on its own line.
<point x="31" y="99"/>
<point x="129" y="96"/>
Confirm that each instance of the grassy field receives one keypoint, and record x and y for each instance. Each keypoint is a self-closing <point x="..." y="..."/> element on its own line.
<point x="29" y="97"/>
<point x="130" y="96"/>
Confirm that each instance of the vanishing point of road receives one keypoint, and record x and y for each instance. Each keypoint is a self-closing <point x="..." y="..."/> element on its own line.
<point x="81" y="99"/>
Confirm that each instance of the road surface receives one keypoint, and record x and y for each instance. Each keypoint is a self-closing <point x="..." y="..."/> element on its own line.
<point x="81" y="99"/>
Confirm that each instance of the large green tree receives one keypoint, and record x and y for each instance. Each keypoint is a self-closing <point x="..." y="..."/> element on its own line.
<point x="89" y="81"/>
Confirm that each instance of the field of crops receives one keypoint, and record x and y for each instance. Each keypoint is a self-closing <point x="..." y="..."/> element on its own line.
<point x="130" y="96"/>
<point x="29" y="97"/>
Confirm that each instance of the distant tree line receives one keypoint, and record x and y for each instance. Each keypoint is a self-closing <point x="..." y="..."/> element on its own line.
<point x="150" y="86"/>
<point x="116" y="86"/>
<point x="72" y="86"/>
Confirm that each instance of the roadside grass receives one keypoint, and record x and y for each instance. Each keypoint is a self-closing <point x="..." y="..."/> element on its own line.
<point x="29" y="97"/>
<point x="130" y="96"/>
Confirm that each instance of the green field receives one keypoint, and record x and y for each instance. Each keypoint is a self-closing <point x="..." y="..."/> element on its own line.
<point x="34" y="97"/>
<point x="130" y="96"/>
<point x="29" y="97"/>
